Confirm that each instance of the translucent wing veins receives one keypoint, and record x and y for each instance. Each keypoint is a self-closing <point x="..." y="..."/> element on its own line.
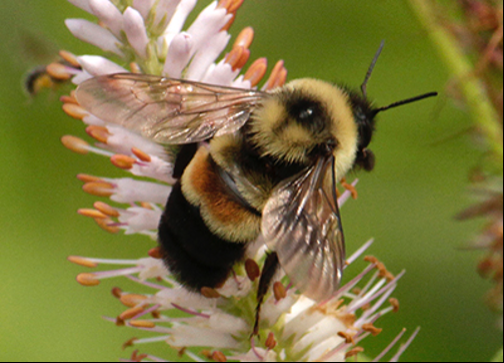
<point x="301" y="223"/>
<point x="166" y="110"/>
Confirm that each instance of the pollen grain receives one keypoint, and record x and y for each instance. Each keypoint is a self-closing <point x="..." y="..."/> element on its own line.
<point x="82" y="261"/>
<point x="75" y="144"/>
<point x="74" y="110"/>
<point x="87" y="279"/>
<point x="99" y="133"/>
<point x="123" y="161"/>
<point x="99" y="189"/>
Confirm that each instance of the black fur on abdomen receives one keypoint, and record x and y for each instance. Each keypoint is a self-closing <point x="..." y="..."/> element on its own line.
<point x="192" y="253"/>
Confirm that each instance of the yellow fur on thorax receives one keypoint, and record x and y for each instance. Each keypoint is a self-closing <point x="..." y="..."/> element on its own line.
<point x="225" y="150"/>
<point x="223" y="216"/>
<point x="292" y="142"/>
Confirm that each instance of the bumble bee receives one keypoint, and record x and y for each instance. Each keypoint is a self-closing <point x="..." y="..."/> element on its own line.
<point x="45" y="77"/>
<point x="38" y="79"/>
<point x="251" y="163"/>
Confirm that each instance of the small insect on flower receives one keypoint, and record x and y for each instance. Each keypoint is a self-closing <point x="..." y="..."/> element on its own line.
<point x="52" y="75"/>
<point x="248" y="163"/>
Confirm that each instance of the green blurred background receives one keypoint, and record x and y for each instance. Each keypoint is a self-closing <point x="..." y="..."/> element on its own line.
<point x="407" y="204"/>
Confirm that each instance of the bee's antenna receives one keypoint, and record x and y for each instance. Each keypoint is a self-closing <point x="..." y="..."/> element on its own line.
<point x="370" y="69"/>
<point x="403" y="102"/>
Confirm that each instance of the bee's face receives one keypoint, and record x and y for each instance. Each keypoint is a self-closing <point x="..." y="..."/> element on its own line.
<point x="304" y="120"/>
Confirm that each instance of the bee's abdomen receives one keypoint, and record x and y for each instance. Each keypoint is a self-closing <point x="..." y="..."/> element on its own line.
<point x="224" y="214"/>
<point x="196" y="256"/>
<point x="204" y="230"/>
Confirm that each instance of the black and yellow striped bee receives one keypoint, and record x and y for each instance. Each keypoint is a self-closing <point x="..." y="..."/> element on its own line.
<point x="251" y="163"/>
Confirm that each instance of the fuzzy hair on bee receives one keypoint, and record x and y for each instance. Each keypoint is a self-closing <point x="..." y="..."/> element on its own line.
<point x="38" y="79"/>
<point x="46" y="77"/>
<point x="250" y="164"/>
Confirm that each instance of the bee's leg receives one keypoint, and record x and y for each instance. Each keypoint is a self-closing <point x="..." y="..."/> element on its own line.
<point x="270" y="267"/>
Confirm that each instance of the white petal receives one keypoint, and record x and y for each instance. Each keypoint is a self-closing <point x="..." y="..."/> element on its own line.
<point x="183" y="297"/>
<point x="156" y="169"/>
<point x="299" y="308"/>
<point x="92" y="119"/>
<point x="239" y="286"/>
<point x="185" y="335"/>
<point x="318" y="351"/>
<point x="94" y="34"/>
<point x="108" y="14"/>
<point x="336" y="357"/>
<point x="127" y="190"/>
<point x="165" y="10"/>
<point x="302" y="321"/>
<point x="327" y="328"/>
<point x="272" y="309"/>
<point x="143" y="6"/>
<point x="177" y="22"/>
<point x="121" y="141"/>
<point x="226" y="323"/>
<point x="140" y="219"/>
<point x="179" y="53"/>
<point x="220" y="74"/>
<point x="136" y="33"/>
<point x="257" y="250"/>
<point x="251" y="356"/>
<point x="206" y="55"/>
<point x="83" y="4"/>
<point x="207" y="25"/>
<point x="241" y="83"/>
<point x="97" y="66"/>
<point x="152" y="268"/>
<point x="81" y="77"/>
<point x="93" y="66"/>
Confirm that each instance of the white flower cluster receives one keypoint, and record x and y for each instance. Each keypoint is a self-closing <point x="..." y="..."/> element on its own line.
<point x="150" y="34"/>
<point x="294" y="327"/>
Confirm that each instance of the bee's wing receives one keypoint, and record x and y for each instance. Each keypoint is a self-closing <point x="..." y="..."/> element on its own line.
<point x="165" y="110"/>
<point x="301" y="223"/>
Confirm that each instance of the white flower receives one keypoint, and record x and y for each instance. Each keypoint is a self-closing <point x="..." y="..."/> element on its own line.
<point x="94" y="34"/>
<point x="296" y="327"/>
<point x="149" y="34"/>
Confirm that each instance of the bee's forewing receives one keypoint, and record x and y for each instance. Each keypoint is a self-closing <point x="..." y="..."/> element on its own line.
<point x="302" y="224"/>
<point x="166" y="110"/>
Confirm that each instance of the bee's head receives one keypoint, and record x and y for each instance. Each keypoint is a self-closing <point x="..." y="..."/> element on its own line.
<point x="308" y="119"/>
<point x="364" y="115"/>
<point x="305" y="120"/>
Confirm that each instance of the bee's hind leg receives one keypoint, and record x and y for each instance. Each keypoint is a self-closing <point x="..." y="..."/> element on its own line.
<point x="269" y="270"/>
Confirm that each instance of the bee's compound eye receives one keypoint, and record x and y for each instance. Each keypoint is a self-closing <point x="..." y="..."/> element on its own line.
<point x="306" y="114"/>
<point x="304" y="111"/>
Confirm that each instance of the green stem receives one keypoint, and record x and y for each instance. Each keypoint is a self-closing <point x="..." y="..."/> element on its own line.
<point x="462" y="69"/>
<point x="498" y="357"/>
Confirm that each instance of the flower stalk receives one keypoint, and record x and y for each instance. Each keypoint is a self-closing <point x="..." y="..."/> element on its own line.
<point x="471" y="44"/>
<point x="460" y="65"/>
